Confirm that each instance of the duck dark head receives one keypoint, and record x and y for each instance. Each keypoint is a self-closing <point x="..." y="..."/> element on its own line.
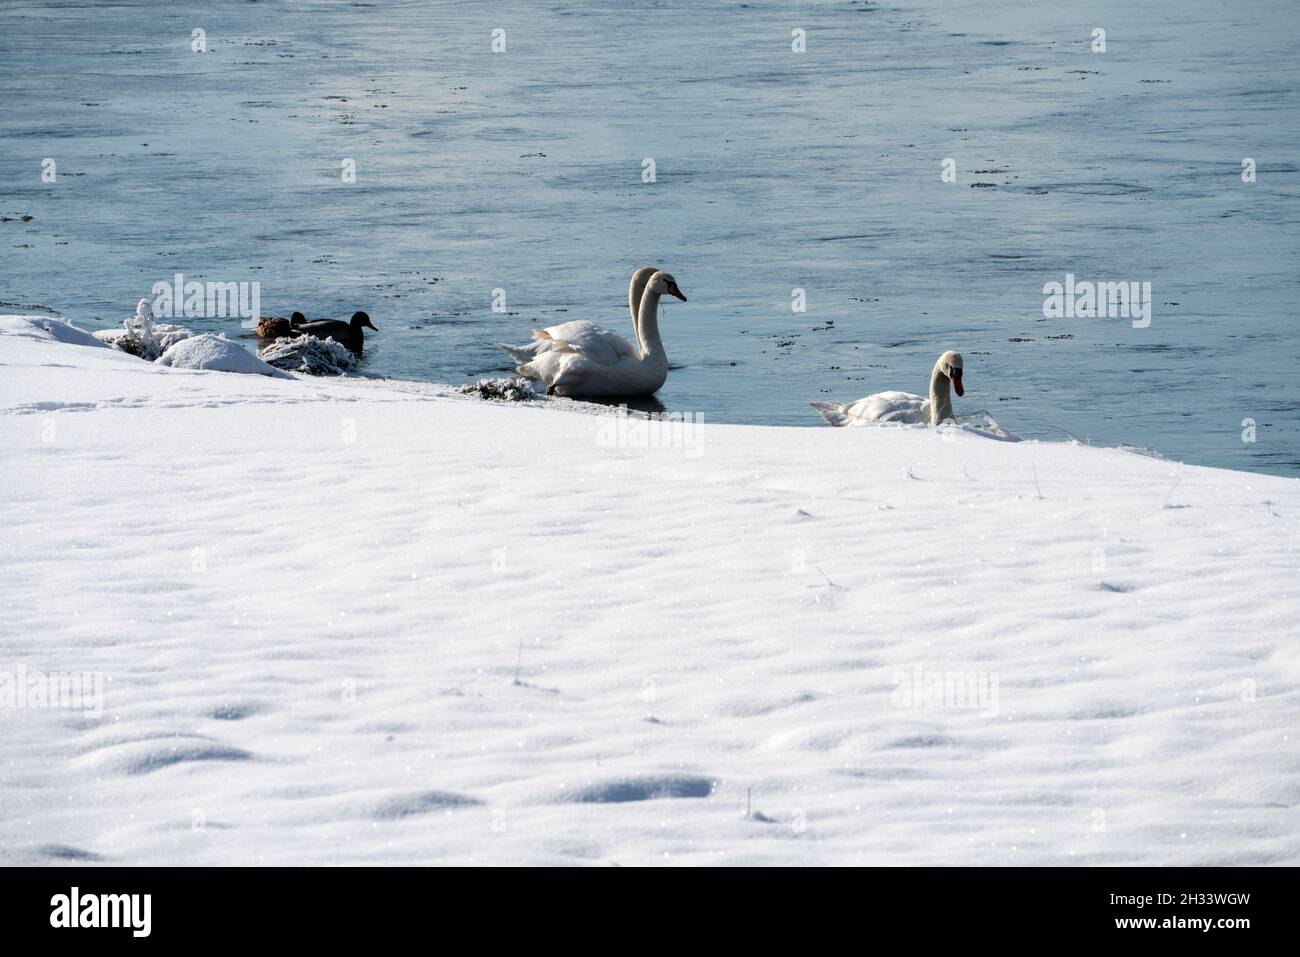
<point x="360" y="319"/>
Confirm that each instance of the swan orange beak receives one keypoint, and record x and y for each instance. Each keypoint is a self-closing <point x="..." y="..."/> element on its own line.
<point x="956" y="381"/>
<point x="674" y="291"/>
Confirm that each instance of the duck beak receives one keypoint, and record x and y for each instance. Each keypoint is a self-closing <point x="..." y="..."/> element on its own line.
<point x="673" y="290"/>
<point x="956" y="381"/>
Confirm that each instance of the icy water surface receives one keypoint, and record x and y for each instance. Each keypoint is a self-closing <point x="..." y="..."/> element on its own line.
<point x="776" y="170"/>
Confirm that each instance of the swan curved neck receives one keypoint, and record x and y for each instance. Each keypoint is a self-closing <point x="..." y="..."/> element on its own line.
<point x="652" y="347"/>
<point x="940" y="397"/>
<point x="635" y="291"/>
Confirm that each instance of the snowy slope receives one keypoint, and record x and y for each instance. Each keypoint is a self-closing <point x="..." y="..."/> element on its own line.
<point x="359" y="621"/>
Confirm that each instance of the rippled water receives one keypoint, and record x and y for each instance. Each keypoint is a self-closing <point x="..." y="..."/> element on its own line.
<point x="775" y="170"/>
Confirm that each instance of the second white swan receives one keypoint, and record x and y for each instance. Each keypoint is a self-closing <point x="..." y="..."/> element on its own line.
<point x="903" y="407"/>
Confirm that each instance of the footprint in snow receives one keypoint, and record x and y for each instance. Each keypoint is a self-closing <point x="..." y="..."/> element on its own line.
<point x="66" y="852"/>
<point x="234" y="712"/>
<point x="648" y="788"/>
<point x="400" y="806"/>
<point x="922" y="741"/>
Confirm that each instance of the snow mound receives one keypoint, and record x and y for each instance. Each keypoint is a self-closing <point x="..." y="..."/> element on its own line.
<point x="310" y="356"/>
<point x="218" y="354"/>
<point x="44" y="327"/>
<point x="145" y="757"/>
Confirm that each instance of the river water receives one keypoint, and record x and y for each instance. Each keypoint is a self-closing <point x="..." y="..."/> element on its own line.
<point x="774" y="171"/>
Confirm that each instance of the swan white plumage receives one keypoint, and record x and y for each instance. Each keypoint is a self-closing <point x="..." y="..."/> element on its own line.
<point x="635" y="290"/>
<point x="581" y="359"/>
<point x="903" y="407"/>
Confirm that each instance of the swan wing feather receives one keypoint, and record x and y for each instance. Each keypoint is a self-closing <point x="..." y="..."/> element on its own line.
<point x="595" y="342"/>
<point x="903" y="407"/>
<point x="900" y="407"/>
<point x="832" y="413"/>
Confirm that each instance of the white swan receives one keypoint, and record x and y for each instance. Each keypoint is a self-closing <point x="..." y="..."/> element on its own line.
<point x="542" y="338"/>
<point x="582" y="359"/>
<point x="902" y="407"/>
<point x="635" y="290"/>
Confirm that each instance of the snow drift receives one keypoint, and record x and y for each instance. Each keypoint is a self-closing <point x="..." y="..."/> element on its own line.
<point x="216" y="353"/>
<point x="352" y="621"/>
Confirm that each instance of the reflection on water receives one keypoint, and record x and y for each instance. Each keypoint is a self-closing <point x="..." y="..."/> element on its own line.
<point x="648" y="404"/>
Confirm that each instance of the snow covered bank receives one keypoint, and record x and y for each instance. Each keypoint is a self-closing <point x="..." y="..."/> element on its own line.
<point x="356" y="621"/>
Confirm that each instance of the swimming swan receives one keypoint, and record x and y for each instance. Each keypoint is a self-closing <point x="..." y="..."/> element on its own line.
<point x="902" y="407"/>
<point x="581" y="359"/>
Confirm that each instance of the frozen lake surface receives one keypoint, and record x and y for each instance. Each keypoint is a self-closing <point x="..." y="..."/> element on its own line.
<point x="776" y="170"/>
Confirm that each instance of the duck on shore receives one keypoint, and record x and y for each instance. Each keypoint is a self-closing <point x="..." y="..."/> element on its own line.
<point x="345" y="333"/>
